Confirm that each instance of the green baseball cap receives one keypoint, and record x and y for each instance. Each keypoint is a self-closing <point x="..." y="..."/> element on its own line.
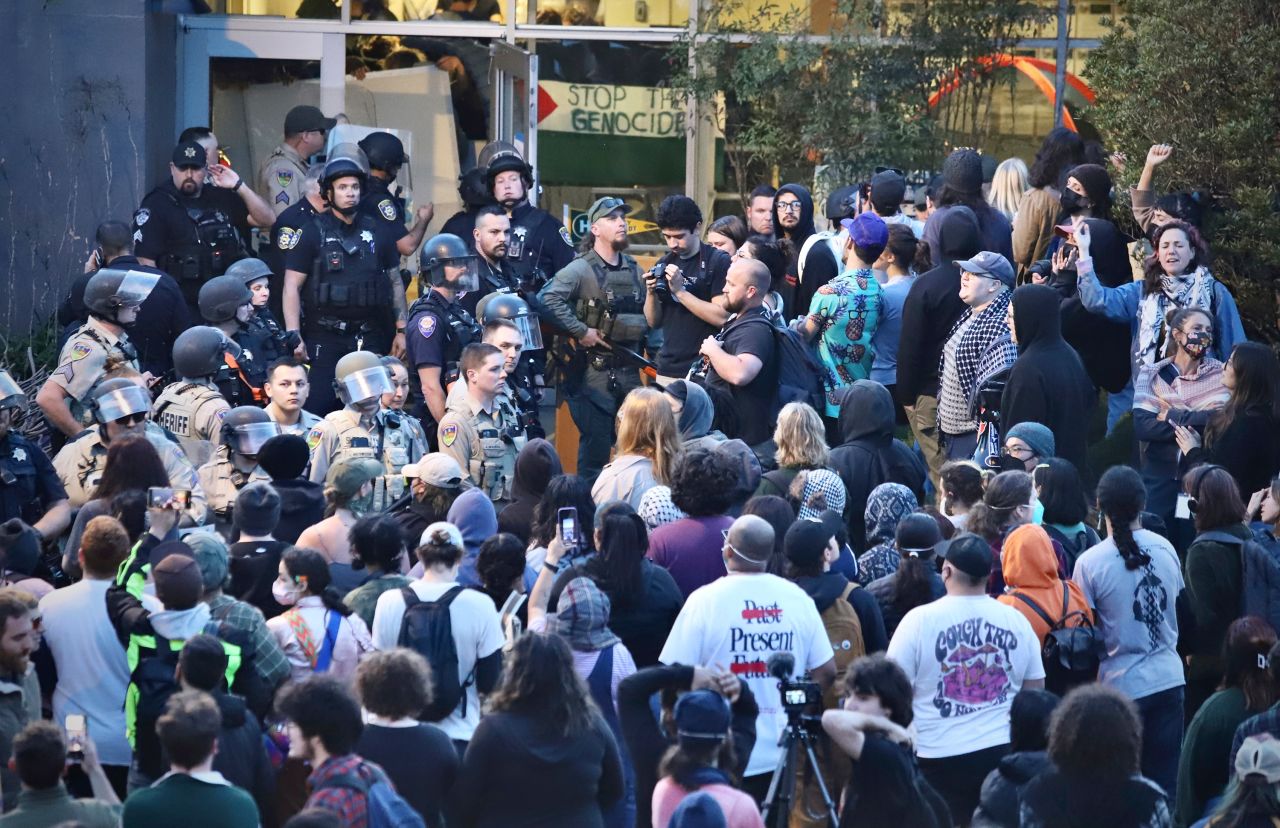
<point x="604" y="206"/>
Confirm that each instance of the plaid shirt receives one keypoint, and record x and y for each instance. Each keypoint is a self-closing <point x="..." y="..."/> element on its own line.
<point x="268" y="658"/>
<point x="1268" y="721"/>
<point x="350" y="805"/>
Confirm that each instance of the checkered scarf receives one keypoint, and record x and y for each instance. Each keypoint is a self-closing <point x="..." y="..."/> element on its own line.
<point x="987" y="327"/>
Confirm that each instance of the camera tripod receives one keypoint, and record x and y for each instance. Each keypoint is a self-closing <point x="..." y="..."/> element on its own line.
<point x="782" y="787"/>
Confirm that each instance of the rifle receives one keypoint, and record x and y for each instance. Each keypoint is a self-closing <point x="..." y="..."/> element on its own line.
<point x="648" y="368"/>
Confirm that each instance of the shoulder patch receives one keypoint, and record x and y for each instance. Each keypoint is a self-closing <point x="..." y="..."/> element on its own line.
<point x="314" y="436"/>
<point x="427" y="325"/>
<point x="67" y="371"/>
<point x="448" y="434"/>
<point x="79" y="351"/>
<point x="222" y="415"/>
<point x="284" y="177"/>
<point x="282" y="197"/>
<point x="140" y="217"/>
<point x="288" y="238"/>
<point x="388" y="209"/>
<point x="564" y="234"/>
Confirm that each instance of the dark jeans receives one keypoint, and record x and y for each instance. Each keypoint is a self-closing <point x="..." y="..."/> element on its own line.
<point x="1162" y="727"/>
<point x="958" y="779"/>
<point x="594" y="415"/>
<point x="959" y="446"/>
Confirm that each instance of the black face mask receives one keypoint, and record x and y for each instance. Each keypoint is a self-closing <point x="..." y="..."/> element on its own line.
<point x="1073" y="202"/>
<point x="1005" y="462"/>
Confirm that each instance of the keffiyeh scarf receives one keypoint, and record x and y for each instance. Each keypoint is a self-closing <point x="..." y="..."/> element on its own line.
<point x="986" y="328"/>
<point x="1193" y="290"/>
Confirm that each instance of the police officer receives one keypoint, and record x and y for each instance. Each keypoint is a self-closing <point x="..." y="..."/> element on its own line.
<point x="112" y="298"/>
<point x="512" y="329"/>
<point x="400" y="435"/>
<point x="540" y="245"/>
<point x="227" y="305"/>
<point x="489" y="241"/>
<point x="355" y="431"/>
<point x="386" y="156"/>
<point x="269" y="339"/>
<point x="439" y="327"/>
<point x="187" y="230"/>
<point x="598" y="297"/>
<point x="474" y="193"/>
<point x="192" y="408"/>
<point x="343" y="281"/>
<point x="485" y="434"/>
<point x="288" y="225"/>
<point x="281" y="175"/>
<point x="395" y="401"/>
<point x="30" y="490"/>
<point x="122" y="407"/>
<point x="235" y="463"/>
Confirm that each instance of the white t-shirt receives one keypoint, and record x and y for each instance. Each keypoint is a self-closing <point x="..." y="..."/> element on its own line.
<point x="967" y="657"/>
<point x="740" y="621"/>
<point x="477" y="633"/>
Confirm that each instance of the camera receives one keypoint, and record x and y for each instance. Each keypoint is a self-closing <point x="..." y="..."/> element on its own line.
<point x="660" y="287"/>
<point x="797" y="694"/>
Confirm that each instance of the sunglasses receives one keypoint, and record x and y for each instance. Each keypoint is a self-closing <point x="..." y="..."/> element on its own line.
<point x="131" y="419"/>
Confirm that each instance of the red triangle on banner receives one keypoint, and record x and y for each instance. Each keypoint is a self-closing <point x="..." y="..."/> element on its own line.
<point x="546" y="104"/>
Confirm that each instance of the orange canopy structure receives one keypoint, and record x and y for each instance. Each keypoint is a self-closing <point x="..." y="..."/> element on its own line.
<point x="1033" y="68"/>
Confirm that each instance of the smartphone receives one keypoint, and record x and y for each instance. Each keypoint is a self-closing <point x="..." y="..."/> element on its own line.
<point x="77" y="731"/>
<point x="158" y="496"/>
<point x="567" y="520"/>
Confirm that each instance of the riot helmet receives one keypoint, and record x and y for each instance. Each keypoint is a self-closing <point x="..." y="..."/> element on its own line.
<point x="246" y="428"/>
<point x="474" y="190"/>
<point x="109" y="290"/>
<point x="249" y="271"/>
<point x="511" y="307"/>
<point x="360" y="377"/>
<point x="347" y="160"/>
<point x="446" y="260"/>
<point x="198" y="352"/>
<point x="384" y="151"/>
<point x="11" y="394"/>
<point x="120" y="397"/>
<point x="221" y="297"/>
<point x="500" y="156"/>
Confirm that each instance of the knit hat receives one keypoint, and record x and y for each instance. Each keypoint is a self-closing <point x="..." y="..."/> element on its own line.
<point x="582" y="617"/>
<point x="257" y="510"/>
<point x="284" y="457"/>
<point x="179" y="583"/>
<point x="702" y="716"/>
<point x="1037" y="437"/>
<point x="823" y="489"/>
<point x="210" y="552"/>
<point x="962" y="171"/>
<point x="805" y="542"/>
<point x="346" y="476"/>
<point x="888" y="188"/>
<point x="1259" y="757"/>
<point x="1096" y="182"/>
<point x="698" y="810"/>
<point x="19" y="547"/>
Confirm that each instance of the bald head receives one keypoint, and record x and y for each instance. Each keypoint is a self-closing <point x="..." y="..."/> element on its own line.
<point x="745" y="285"/>
<point x="751" y="539"/>
<point x="754" y="273"/>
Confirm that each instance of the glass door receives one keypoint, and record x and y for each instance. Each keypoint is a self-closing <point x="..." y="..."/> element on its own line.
<point x="513" y="87"/>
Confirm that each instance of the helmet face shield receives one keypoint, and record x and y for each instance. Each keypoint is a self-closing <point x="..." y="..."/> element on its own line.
<point x="364" y="385"/>
<point x="462" y="275"/>
<point x="531" y="331"/>
<point x="136" y="287"/>
<point x="123" y="402"/>
<point x="250" y="437"/>
<point x="11" y="394"/>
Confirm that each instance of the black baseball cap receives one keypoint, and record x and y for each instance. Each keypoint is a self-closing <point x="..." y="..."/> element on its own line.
<point x="306" y="119"/>
<point x="188" y="155"/>
<point x="970" y="554"/>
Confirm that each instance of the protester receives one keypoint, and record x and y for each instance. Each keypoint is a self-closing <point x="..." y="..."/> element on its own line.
<point x="1006" y="504"/>
<point x="647" y="447"/>
<point x="394" y="688"/>
<point x="811" y="266"/>
<point x="1008" y="186"/>
<point x="811" y="550"/>
<point x="1040" y="206"/>
<point x="537" y="465"/>
<point x="19" y="688"/>
<point x="1253" y="798"/>
<point x="502" y="569"/>
<point x="887" y="505"/>
<point x="727" y="233"/>
<point x="474" y="516"/>
<point x="40" y="760"/>
<point x="348" y="493"/>
<point x="702" y="488"/>
<point x="318" y="633"/>
<point x="255" y="557"/>
<point x="897" y="262"/>
<point x="1246" y="689"/>
<point x="1133" y="581"/>
<point x="779" y="514"/>
<point x="694" y="413"/>
<point x="377" y="545"/>
<point x="1066" y="508"/>
<point x="285" y="458"/>
<point x="962" y="488"/>
<point x="962" y="187"/>
<point x="803" y="476"/>
<point x="1095" y="743"/>
<point x="915" y="581"/>
<point x="568" y="491"/>
<point x="542" y="743"/>
<point x="870" y="455"/>
<point x="1027" y="758"/>
<point x="964" y="681"/>
<point x="1033" y="587"/>
<point x="1241" y="437"/>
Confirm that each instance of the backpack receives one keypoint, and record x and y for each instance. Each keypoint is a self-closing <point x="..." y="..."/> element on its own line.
<point x="799" y="373"/>
<point x="384" y="808"/>
<point x="1071" y="655"/>
<point x="1075" y="546"/>
<point x="834" y="240"/>
<point x="844" y="631"/>
<point x="1259" y="575"/>
<point x="427" y="629"/>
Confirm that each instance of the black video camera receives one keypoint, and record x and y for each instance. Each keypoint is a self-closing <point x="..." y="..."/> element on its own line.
<point x="797" y="695"/>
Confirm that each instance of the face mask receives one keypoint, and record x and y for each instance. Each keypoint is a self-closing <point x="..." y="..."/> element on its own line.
<point x="1198" y="343"/>
<point x="1073" y="202"/>
<point x="285" y="596"/>
<point x="1037" y="512"/>
<point x="1006" y="462"/>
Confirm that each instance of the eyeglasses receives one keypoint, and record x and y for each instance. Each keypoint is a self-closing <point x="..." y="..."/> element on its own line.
<point x="789" y="206"/>
<point x="131" y="419"/>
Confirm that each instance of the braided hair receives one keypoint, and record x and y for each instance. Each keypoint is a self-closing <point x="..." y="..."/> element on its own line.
<point x="1122" y="497"/>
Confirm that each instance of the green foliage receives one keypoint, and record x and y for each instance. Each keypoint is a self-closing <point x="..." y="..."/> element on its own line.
<point x="1204" y="76"/>
<point x="34" y="355"/>
<point x="854" y="97"/>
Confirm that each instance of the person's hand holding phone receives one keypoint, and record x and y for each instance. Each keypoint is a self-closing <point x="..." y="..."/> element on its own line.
<point x="164" y="510"/>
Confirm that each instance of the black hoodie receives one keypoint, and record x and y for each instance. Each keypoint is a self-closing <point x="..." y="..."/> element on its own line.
<point x="536" y="464"/>
<point x="820" y="265"/>
<point x="932" y="307"/>
<point x="869" y="455"/>
<point x="998" y="801"/>
<point x="242" y="757"/>
<point x="824" y="589"/>
<point x="1048" y="383"/>
<point x="301" y="505"/>
<point x="1103" y="345"/>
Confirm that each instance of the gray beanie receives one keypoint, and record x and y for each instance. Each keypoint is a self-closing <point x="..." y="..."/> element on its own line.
<point x="1038" y="438"/>
<point x="257" y="510"/>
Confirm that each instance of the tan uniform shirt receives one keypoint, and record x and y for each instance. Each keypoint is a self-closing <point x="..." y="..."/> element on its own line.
<point x="222" y="482"/>
<point x="192" y="412"/>
<point x="485" y="444"/>
<point x="280" y="178"/>
<point x="89" y="354"/>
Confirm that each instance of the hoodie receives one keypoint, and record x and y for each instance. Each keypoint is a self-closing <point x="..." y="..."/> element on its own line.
<point x="1031" y="568"/>
<point x="932" y="307"/>
<point x="1048" y="383"/>
<point x="242" y="757"/>
<point x="824" y="589"/>
<point x="868" y="454"/>
<point x="536" y="464"/>
<point x="473" y="514"/>
<point x="1103" y="345"/>
<point x="820" y="265"/>
<point x="301" y="505"/>
<point x="998" y="801"/>
<point x="697" y="412"/>
<point x="181" y="624"/>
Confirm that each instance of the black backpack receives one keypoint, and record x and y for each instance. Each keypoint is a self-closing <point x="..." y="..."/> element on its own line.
<point x="427" y="629"/>
<point x="1074" y="546"/>
<point x="799" y="372"/>
<point x="1071" y="655"/>
<point x="1259" y="576"/>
